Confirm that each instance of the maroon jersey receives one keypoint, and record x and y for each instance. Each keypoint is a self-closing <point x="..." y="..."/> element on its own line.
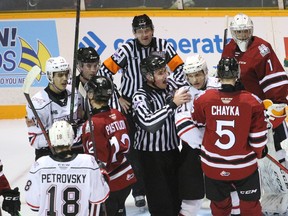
<point x="112" y="143"/>
<point x="235" y="133"/>
<point x="260" y="70"/>
<point x="4" y="184"/>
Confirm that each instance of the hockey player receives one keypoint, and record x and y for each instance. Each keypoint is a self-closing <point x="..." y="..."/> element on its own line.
<point x="88" y="63"/>
<point x="66" y="182"/>
<point x="52" y="104"/>
<point x="261" y="73"/>
<point x="191" y="180"/>
<point x="156" y="139"/>
<point x="11" y="202"/>
<point x="127" y="58"/>
<point x="110" y="134"/>
<point x="235" y="136"/>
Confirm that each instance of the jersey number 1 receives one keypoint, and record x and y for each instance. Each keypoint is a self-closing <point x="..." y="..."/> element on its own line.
<point x="70" y="196"/>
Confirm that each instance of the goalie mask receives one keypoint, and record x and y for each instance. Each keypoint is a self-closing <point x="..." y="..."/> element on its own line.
<point x="56" y="65"/>
<point x="87" y="55"/>
<point x="141" y="22"/>
<point x="228" y="68"/>
<point x="241" y="29"/>
<point x="61" y="134"/>
<point x="101" y="87"/>
<point x="150" y="64"/>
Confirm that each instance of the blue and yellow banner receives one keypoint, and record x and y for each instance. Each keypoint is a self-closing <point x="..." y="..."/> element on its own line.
<point x="24" y="44"/>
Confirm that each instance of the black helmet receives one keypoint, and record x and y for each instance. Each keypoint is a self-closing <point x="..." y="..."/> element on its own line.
<point x="228" y="68"/>
<point x="87" y="55"/>
<point x="101" y="86"/>
<point x="150" y="64"/>
<point x="142" y="21"/>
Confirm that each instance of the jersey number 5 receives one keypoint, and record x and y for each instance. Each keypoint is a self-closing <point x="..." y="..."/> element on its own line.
<point x="221" y="132"/>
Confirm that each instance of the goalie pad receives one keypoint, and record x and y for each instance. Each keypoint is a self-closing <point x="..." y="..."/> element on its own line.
<point x="276" y="113"/>
<point x="273" y="179"/>
<point x="274" y="204"/>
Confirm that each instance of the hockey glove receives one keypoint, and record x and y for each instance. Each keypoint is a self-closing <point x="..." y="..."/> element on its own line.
<point x="276" y="113"/>
<point x="11" y="202"/>
<point x="103" y="170"/>
<point x="264" y="152"/>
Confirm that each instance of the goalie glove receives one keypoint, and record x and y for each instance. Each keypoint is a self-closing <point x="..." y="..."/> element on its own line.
<point x="275" y="113"/>
<point x="11" y="202"/>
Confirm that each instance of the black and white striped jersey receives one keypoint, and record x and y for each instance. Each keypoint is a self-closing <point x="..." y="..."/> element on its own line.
<point x="127" y="58"/>
<point x="154" y="117"/>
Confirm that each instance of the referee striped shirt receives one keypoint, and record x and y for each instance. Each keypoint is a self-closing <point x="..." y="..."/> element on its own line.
<point x="154" y="117"/>
<point x="128" y="58"/>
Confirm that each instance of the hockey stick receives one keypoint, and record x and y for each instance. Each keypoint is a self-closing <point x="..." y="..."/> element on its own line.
<point x="277" y="163"/>
<point x="225" y="32"/>
<point x="74" y="61"/>
<point x="31" y="76"/>
<point x="91" y="129"/>
<point x="92" y="137"/>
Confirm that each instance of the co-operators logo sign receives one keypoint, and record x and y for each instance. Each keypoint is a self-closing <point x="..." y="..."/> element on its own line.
<point x="182" y="45"/>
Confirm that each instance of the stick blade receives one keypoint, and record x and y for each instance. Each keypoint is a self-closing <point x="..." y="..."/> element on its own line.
<point x="31" y="76"/>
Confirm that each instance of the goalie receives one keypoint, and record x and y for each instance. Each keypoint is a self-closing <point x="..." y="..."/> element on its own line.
<point x="263" y="75"/>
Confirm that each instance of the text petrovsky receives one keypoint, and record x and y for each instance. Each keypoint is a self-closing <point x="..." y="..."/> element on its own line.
<point x="63" y="178"/>
<point x="225" y="110"/>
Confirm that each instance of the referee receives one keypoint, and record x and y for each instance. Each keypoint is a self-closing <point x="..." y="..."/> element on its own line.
<point x="127" y="58"/>
<point x="156" y="139"/>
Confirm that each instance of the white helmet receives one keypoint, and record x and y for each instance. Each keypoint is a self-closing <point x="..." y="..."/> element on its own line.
<point x="61" y="134"/>
<point x="194" y="64"/>
<point x="241" y="22"/>
<point x="54" y="65"/>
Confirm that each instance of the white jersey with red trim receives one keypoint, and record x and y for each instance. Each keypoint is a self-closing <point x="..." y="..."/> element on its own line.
<point x="50" y="108"/>
<point x="186" y="130"/>
<point x="57" y="187"/>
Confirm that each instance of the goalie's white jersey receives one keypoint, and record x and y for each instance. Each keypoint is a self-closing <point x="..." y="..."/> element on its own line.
<point x="65" y="188"/>
<point x="49" y="109"/>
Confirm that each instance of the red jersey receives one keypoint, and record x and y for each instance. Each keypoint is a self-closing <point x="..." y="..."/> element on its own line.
<point x="260" y="70"/>
<point x="112" y="143"/>
<point x="235" y="133"/>
<point x="4" y="184"/>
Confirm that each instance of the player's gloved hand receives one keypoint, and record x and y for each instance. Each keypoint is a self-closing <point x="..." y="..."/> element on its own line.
<point x="276" y="113"/>
<point x="264" y="152"/>
<point x="102" y="167"/>
<point x="11" y="202"/>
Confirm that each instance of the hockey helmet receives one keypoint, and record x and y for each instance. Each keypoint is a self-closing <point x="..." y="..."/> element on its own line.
<point x="241" y="28"/>
<point x="194" y="64"/>
<point x="228" y="68"/>
<point x="142" y="21"/>
<point x="61" y="134"/>
<point x="150" y="64"/>
<point x="56" y="65"/>
<point x="87" y="55"/>
<point x="101" y="86"/>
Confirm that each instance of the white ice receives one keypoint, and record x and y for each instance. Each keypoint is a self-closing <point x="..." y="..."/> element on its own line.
<point x="17" y="156"/>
